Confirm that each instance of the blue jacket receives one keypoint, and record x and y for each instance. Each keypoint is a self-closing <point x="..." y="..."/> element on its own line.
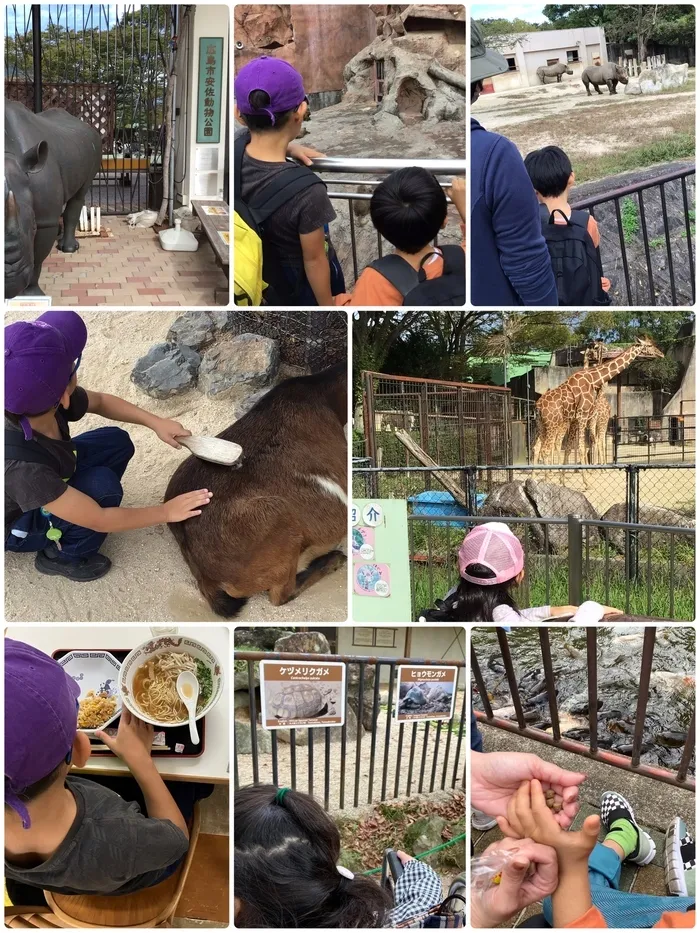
<point x="510" y="260"/>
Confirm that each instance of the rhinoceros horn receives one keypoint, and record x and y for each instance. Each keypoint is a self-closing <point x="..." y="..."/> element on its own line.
<point x="11" y="216"/>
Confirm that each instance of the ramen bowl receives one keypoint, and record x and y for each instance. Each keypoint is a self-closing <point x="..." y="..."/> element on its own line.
<point x="97" y="671"/>
<point x="153" y="649"/>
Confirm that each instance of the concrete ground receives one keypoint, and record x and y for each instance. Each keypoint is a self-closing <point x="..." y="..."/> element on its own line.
<point x="130" y="269"/>
<point x="655" y="804"/>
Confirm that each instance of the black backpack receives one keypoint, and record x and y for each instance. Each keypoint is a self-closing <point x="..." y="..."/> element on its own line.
<point x="17" y="447"/>
<point x="575" y="260"/>
<point x="282" y="187"/>
<point x="448" y="290"/>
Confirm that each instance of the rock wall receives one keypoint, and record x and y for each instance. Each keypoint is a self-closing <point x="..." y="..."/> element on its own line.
<point x="655" y="80"/>
<point x="304" y="35"/>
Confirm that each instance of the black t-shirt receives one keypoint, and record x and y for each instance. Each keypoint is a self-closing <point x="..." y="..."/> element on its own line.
<point x="304" y="213"/>
<point x="32" y="485"/>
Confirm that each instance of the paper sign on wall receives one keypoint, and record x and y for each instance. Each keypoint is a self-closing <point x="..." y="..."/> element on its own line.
<point x="302" y="694"/>
<point x="381" y="575"/>
<point x="425" y="692"/>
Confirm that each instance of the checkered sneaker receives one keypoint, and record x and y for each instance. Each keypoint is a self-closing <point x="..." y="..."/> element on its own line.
<point x="614" y="806"/>
<point x="417" y="891"/>
<point x="680" y="859"/>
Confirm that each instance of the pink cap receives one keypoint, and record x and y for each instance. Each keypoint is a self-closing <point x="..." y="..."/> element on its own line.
<point x="495" y="546"/>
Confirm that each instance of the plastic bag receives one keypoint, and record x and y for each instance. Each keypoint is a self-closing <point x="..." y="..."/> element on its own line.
<point x="486" y="869"/>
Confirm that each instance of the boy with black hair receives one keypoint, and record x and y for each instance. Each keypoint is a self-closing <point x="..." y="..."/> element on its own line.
<point x="289" y="203"/>
<point x="63" y="494"/>
<point x="552" y="177"/>
<point x="66" y="833"/>
<point x="409" y="208"/>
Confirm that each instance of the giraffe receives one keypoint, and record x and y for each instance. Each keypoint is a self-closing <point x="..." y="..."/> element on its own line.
<point x="570" y="404"/>
<point x="598" y="429"/>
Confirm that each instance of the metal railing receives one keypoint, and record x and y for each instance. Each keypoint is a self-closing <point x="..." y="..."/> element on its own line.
<point x="641" y="569"/>
<point x="429" y="775"/>
<point x="628" y="486"/>
<point x="632" y="763"/>
<point x="638" y="221"/>
<point x="445" y="168"/>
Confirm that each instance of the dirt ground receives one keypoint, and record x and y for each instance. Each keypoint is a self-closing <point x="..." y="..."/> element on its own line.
<point x="149" y="580"/>
<point x="563" y="114"/>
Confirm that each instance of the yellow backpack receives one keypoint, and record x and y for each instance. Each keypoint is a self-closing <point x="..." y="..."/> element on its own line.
<point x="249" y="218"/>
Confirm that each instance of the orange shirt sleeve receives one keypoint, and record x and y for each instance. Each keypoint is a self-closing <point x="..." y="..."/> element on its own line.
<point x="592" y="919"/>
<point x="593" y="231"/>
<point x="372" y="290"/>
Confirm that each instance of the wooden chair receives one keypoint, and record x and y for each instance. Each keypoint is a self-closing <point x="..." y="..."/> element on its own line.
<point x="152" y="907"/>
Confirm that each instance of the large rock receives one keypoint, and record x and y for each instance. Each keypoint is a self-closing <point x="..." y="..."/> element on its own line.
<point x="554" y="501"/>
<point x="240" y="675"/>
<point x="662" y="78"/>
<point x="353" y="688"/>
<point x="166" y="370"/>
<point x="509" y="501"/>
<point x="244" y="744"/>
<point x="196" y="328"/>
<point x="257" y="637"/>
<point x="263" y="26"/>
<point x="424" y="834"/>
<point x="648" y="515"/>
<point x="237" y="365"/>
<point x="303" y="643"/>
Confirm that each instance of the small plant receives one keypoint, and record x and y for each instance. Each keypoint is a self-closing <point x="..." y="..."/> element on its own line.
<point x="629" y="211"/>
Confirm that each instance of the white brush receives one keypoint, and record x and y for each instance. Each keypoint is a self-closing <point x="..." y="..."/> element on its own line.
<point x="213" y="449"/>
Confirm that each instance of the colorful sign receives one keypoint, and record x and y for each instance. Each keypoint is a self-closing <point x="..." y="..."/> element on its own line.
<point x="302" y="694"/>
<point x="211" y="57"/>
<point x="425" y="692"/>
<point x="380" y="566"/>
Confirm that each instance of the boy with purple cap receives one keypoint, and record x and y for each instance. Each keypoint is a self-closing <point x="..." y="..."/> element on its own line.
<point x="289" y="201"/>
<point x="62" y="494"/>
<point x="71" y="834"/>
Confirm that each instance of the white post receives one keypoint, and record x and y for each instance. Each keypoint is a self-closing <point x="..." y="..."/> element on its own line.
<point x="92" y="220"/>
<point x="98" y="220"/>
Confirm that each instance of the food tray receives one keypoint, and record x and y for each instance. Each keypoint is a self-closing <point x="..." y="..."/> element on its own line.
<point x="174" y="735"/>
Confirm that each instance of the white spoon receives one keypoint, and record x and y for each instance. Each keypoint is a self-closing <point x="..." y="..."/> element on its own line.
<point x="188" y="691"/>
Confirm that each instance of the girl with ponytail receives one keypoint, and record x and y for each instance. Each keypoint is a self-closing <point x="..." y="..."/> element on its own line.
<point x="286" y="872"/>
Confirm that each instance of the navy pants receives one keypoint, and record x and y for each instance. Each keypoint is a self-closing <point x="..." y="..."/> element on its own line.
<point x="477" y="738"/>
<point x="102" y="458"/>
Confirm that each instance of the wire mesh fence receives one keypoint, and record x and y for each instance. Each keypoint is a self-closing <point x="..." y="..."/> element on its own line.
<point x="312" y="340"/>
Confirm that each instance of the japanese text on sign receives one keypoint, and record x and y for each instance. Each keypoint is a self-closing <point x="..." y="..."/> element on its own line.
<point x="209" y="96"/>
<point x="428" y="673"/>
<point x="305" y="671"/>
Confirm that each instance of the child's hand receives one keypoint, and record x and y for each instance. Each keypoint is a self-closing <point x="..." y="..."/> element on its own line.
<point x="169" y="431"/>
<point x="530" y="817"/>
<point x="188" y="505"/>
<point x="531" y="875"/>
<point x="133" y="740"/>
<point x="457" y="193"/>
<point x="304" y="154"/>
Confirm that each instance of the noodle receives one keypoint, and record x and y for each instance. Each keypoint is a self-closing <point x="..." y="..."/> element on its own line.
<point x="155" y="686"/>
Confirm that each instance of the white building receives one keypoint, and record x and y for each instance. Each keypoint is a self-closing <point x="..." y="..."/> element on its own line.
<point x="526" y="52"/>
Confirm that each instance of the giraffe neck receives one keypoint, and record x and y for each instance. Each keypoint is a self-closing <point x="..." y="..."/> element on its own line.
<point x="603" y="374"/>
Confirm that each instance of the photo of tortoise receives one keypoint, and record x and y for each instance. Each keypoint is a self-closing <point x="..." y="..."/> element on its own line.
<point x="424" y="698"/>
<point x="298" y="701"/>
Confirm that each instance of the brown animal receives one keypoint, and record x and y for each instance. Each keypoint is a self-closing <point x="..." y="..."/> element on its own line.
<point x="275" y="523"/>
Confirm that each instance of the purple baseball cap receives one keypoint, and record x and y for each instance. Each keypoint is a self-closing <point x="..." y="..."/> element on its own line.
<point x="282" y="83"/>
<point x="40" y="358"/>
<point x="41" y="719"/>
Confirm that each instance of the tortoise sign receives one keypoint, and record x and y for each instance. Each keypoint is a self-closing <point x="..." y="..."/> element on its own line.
<point x="425" y="692"/>
<point x="302" y="694"/>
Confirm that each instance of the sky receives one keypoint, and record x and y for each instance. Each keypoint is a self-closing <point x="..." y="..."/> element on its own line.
<point x="62" y="14"/>
<point x="530" y="12"/>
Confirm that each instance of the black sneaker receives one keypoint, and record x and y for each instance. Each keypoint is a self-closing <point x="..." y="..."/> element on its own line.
<point x="84" y="570"/>
<point x="614" y="806"/>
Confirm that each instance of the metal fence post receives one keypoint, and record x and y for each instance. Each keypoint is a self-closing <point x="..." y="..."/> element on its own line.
<point x="470" y="475"/>
<point x="370" y="435"/>
<point x="632" y="557"/>
<point x="575" y="560"/>
<point x="36" y="55"/>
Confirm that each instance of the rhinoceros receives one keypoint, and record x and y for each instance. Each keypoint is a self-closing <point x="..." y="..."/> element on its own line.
<point x="609" y="74"/>
<point x="51" y="159"/>
<point x="553" y="71"/>
<point x="298" y="701"/>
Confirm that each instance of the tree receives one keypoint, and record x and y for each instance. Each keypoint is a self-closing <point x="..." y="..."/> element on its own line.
<point x="663" y="326"/>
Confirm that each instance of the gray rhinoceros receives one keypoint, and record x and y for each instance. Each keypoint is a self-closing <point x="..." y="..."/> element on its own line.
<point x="50" y="161"/>
<point x="609" y="74"/>
<point x="553" y="71"/>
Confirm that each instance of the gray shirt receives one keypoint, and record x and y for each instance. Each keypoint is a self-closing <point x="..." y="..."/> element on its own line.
<point x="111" y="848"/>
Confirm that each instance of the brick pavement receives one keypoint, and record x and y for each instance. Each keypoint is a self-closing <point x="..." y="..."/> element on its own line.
<point x="131" y="269"/>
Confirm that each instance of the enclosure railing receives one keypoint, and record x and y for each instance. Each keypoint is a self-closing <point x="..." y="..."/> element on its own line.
<point x="427" y="778"/>
<point x="444" y="169"/>
<point x="632" y="485"/>
<point x="615" y="197"/>
<point x="641" y="569"/>
<point x="591" y="750"/>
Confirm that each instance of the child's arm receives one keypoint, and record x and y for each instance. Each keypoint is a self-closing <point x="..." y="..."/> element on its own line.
<point x="316" y="267"/>
<point x="76" y="507"/>
<point x="457" y="193"/>
<point x="118" y="409"/>
<point x="530" y="817"/>
<point x="133" y="745"/>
